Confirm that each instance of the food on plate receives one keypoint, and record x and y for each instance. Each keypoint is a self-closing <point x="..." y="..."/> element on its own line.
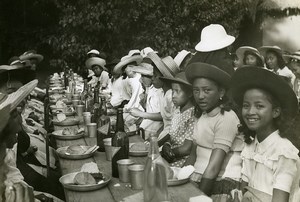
<point x="60" y="104"/>
<point x="61" y="117"/>
<point x="93" y="169"/>
<point x="84" y="178"/>
<point x="75" y="150"/>
<point x="182" y="173"/>
<point x="68" y="131"/>
<point x="139" y="146"/>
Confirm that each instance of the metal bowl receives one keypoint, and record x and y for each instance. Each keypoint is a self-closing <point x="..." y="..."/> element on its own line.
<point x="175" y="182"/>
<point x="68" y="183"/>
<point x="62" y="152"/>
<point x="69" y="121"/>
<point x="58" y="135"/>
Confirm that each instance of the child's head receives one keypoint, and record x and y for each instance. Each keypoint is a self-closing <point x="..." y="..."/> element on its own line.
<point x="293" y="61"/>
<point x="273" y="57"/>
<point x="252" y="59"/>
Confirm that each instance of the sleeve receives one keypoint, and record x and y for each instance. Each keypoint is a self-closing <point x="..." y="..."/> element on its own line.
<point x="189" y="129"/>
<point x="136" y="89"/>
<point x="225" y="131"/>
<point x="104" y="79"/>
<point x="245" y="165"/>
<point x="284" y="174"/>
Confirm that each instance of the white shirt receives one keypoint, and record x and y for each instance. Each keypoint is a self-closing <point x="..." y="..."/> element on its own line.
<point x="118" y="91"/>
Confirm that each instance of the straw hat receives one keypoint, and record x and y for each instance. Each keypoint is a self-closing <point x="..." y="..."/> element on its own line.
<point x="240" y="52"/>
<point x="15" y="98"/>
<point x="204" y="70"/>
<point x="263" y="50"/>
<point x="89" y="63"/>
<point x="4" y="68"/>
<point x="179" y="78"/>
<point x="134" y="52"/>
<point x="31" y="54"/>
<point x="295" y="55"/>
<point x="93" y="51"/>
<point x="254" y="77"/>
<point x="147" y="50"/>
<point x="166" y="66"/>
<point x="214" y="37"/>
<point x="180" y="57"/>
<point x="126" y="60"/>
<point x="144" y="69"/>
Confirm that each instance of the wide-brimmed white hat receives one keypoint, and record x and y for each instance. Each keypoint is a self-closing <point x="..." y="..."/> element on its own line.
<point x="181" y="56"/>
<point x="9" y="67"/>
<point x="134" y="52"/>
<point x="263" y="50"/>
<point x="166" y="65"/>
<point x="93" y="51"/>
<point x="15" y="98"/>
<point x="126" y="60"/>
<point x="89" y="63"/>
<point x="144" y="69"/>
<point x="240" y="52"/>
<point x="31" y="54"/>
<point x="295" y="55"/>
<point x="214" y="37"/>
<point x="147" y="50"/>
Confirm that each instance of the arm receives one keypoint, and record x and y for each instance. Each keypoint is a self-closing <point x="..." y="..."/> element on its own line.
<point x="212" y="170"/>
<point x="192" y="157"/>
<point x="280" y="196"/>
<point x="243" y="185"/>
<point x="184" y="149"/>
<point x="153" y="116"/>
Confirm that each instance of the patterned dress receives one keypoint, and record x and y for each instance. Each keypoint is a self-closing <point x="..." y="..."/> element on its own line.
<point x="182" y="128"/>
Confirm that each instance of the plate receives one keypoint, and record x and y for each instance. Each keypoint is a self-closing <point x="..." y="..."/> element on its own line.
<point x="62" y="153"/>
<point x="137" y="153"/>
<point x="175" y="182"/>
<point x="58" y="134"/>
<point x="67" y="182"/>
<point x="69" y="121"/>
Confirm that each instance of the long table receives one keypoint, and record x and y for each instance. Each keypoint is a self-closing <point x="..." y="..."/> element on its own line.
<point x="116" y="190"/>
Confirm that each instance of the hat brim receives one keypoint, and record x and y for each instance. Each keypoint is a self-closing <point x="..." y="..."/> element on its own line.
<point x="254" y="77"/>
<point x="176" y="80"/>
<point x="89" y="63"/>
<point x="135" y="58"/>
<point x="159" y="64"/>
<point x="204" y="70"/>
<point x="287" y="58"/>
<point x="263" y="50"/>
<point x="207" y="47"/>
<point x="15" y="98"/>
<point x="32" y="56"/>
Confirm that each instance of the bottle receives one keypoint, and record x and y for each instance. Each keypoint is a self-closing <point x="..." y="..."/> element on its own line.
<point x="89" y="99"/>
<point x="96" y="106"/>
<point x="101" y="135"/>
<point x="120" y="139"/>
<point x="155" y="177"/>
<point x="104" y="119"/>
<point x="84" y="92"/>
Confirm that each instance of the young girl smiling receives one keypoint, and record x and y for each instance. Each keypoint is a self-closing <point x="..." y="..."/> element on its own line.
<point x="269" y="160"/>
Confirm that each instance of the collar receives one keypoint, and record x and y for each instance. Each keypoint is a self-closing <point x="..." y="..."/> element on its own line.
<point x="268" y="142"/>
<point x="213" y="112"/>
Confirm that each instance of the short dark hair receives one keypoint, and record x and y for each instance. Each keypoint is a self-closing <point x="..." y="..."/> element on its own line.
<point x="280" y="60"/>
<point x="259" y="63"/>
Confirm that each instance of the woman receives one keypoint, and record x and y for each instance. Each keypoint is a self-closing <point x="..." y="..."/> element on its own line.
<point x="217" y="146"/>
<point x="250" y="56"/>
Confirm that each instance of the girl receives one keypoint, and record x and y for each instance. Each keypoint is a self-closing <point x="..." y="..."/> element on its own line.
<point x="216" y="151"/>
<point x="269" y="159"/>
<point x="275" y="62"/>
<point x="250" y="56"/>
<point x="179" y="143"/>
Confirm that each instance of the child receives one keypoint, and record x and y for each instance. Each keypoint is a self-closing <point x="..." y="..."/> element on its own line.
<point x="268" y="104"/>
<point x="293" y="61"/>
<point x="250" y="56"/>
<point x="179" y="143"/>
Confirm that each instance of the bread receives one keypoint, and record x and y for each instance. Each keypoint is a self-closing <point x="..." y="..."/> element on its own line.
<point x="84" y="178"/>
<point x="75" y="150"/>
<point x="140" y="146"/>
<point x="93" y="169"/>
<point x="185" y="172"/>
<point x="61" y="117"/>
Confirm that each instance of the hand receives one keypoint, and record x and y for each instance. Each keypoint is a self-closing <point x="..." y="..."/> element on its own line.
<point x="32" y="149"/>
<point x="167" y="153"/>
<point x="19" y="192"/>
<point x="136" y="112"/>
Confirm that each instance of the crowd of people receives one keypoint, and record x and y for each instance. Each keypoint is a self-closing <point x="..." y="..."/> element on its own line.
<point x="233" y="116"/>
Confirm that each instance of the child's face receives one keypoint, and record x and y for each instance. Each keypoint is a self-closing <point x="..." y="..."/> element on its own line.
<point x="179" y="97"/>
<point x="129" y="72"/>
<point x="97" y="70"/>
<point x="295" y="67"/>
<point x="206" y="93"/>
<point x="258" y="111"/>
<point x="250" y="60"/>
<point x="156" y="81"/>
<point x="271" y="60"/>
<point x="146" y="80"/>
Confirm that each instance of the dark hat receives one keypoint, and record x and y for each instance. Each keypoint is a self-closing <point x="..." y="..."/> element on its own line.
<point x="204" y="70"/>
<point x="179" y="78"/>
<point x="255" y="77"/>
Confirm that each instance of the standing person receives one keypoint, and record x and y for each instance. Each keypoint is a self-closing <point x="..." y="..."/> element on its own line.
<point x="216" y="152"/>
<point x="213" y="48"/>
<point x="275" y="62"/>
<point x="250" y="56"/>
<point x="97" y="65"/>
<point x="178" y="143"/>
<point x="268" y="106"/>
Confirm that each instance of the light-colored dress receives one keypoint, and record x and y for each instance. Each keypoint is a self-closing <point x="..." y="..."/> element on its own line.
<point x="216" y="130"/>
<point x="182" y="129"/>
<point x="270" y="164"/>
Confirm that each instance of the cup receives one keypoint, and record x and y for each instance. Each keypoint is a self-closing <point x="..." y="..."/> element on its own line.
<point x="87" y="118"/>
<point x="75" y="102"/>
<point x="107" y="141"/>
<point x="92" y="129"/>
<point x="123" y="169"/>
<point x="136" y="175"/>
<point x="79" y="110"/>
<point x="76" y="96"/>
<point x="110" y="151"/>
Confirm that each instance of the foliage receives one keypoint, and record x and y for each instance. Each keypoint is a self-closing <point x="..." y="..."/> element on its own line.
<point x="117" y="26"/>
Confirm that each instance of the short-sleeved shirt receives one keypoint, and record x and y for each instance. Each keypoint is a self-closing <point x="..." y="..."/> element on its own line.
<point x="104" y="79"/>
<point x="286" y="72"/>
<point x="270" y="164"/>
<point x="182" y="129"/>
<point x="216" y="130"/>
